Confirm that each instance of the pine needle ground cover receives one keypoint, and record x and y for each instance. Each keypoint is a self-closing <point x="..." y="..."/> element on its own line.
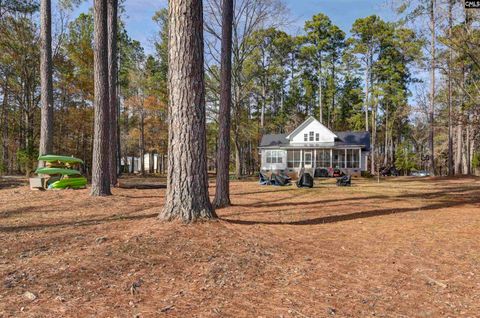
<point x="402" y="248"/>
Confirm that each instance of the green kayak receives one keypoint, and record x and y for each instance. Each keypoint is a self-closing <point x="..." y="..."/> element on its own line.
<point x="62" y="171"/>
<point x="63" y="159"/>
<point x="69" y="183"/>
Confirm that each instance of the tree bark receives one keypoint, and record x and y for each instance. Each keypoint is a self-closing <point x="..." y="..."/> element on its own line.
<point x="101" y="138"/>
<point x="5" y="159"/>
<point x="46" y="125"/>
<point x="432" y="89"/>
<point x="187" y="179"/>
<point x="142" y="141"/>
<point x="367" y="91"/>
<point x="222" y="191"/>
<point x="449" y="92"/>
<point x="320" y="93"/>
<point x="112" y="89"/>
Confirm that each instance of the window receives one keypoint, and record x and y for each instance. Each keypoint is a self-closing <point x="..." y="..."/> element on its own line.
<point x="311" y="136"/>
<point x="353" y="158"/>
<point x="317" y="137"/>
<point x="293" y="158"/>
<point x="305" y="137"/>
<point x="274" y="156"/>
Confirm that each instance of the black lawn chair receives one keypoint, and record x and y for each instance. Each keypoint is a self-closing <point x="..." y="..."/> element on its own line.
<point x="321" y="173"/>
<point x="344" y="181"/>
<point x="305" y="181"/>
<point x="263" y="180"/>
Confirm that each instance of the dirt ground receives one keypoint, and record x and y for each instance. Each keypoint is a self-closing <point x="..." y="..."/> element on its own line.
<point x="402" y="248"/>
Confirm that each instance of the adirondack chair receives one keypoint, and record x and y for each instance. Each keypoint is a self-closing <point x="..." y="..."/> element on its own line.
<point x="344" y="181"/>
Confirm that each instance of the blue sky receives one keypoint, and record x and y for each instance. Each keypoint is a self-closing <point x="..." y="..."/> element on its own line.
<point x="342" y="12"/>
<point x="138" y="14"/>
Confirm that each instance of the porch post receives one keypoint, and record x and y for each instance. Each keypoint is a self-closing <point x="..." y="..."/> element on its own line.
<point x="331" y="158"/>
<point x="301" y="158"/>
<point x="314" y="159"/>
<point x="360" y="159"/>
<point x="345" y="159"/>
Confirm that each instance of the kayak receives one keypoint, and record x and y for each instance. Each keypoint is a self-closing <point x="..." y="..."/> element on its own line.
<point x="62" y="159"/>
<point x="69" y="183"/>
<point x="62" y="171"/>
<point x="60" y="176"/>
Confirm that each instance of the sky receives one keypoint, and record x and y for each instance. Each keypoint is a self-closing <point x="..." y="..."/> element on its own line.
<point x="138" y="15"/>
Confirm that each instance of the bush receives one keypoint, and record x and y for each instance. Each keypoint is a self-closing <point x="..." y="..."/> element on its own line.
<point x="27" y="160"/>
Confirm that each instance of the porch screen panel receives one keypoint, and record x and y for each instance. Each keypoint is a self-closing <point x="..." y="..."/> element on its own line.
<point x="338" y="158"/>
<point x="353" y="159"/>
<point x="323" y="158"/>
<point x="293" y="158"/>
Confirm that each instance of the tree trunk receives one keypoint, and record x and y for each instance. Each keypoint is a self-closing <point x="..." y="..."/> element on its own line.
<point x="112" y="89"/>
<point x="459" y="150"/>
<point x="187" y="179"/>
<point x="432" y="89"/>
<point x="142" y="141"/>
<point x="374" y="141"/>
<point x="238" y="157"/>
<point x="101" y="139"/>
<point x="46" y="129"/>
<point x="320" y="94"/>
<point x="5" y="161"/>
<point x="449" y="91"/>
<point x="222" y="191"/>
<point x="367" y="92"/>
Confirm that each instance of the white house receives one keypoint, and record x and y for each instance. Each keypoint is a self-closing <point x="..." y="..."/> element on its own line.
<point x="313" y="146"/>
<point x="152" y="162"/>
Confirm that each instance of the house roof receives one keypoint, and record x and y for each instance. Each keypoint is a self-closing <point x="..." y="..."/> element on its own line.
<point x="303" y="125"/>
<point x="274" y="140"/>
<point x="353" y="138"/>
<point x="344" y="138"/>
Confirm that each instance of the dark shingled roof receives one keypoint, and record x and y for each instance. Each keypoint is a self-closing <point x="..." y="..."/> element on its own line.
<point x="344" y="138"/>
<point x="274" y="140"/>
<point x="353" y="138"/>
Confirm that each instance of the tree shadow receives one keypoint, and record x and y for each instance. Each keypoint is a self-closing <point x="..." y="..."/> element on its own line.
<point x="77" y="223"/>
<point x="450" y="197"/>
<point x="10" y="183"/>
<point x="349" y="216"/>
<point x="308" y="203"/>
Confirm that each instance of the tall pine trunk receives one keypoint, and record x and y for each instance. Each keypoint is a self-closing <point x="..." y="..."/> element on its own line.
<point x="142" y="140"/>
<point x="46" y="125"/>
<point x="449" y="92"/>
<point x="320" y="93"/>
<point x="222" y="191"/>
<point x="187" y="179"/>
<point x="5" y="157"/>
<point x="112" y="89"/>
<point x="431" y="110"/>
<point x="101" y="138"/>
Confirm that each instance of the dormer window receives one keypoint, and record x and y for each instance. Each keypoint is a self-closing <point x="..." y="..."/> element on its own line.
<point x="317" y="137"/>
<point x="305" y="137"/>
<point x="311" y="136"/>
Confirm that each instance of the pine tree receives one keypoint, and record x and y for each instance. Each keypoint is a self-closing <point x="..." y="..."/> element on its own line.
<point x="101" y="139"/>
<point x="187" y="179"/>
<point x="46" y="127"/>
<point x="222" y="192"/>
